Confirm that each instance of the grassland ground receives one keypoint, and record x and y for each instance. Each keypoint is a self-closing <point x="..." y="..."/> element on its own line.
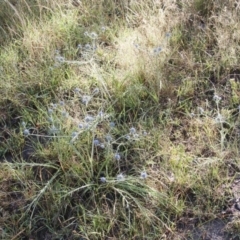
<point x="119" y="119"/>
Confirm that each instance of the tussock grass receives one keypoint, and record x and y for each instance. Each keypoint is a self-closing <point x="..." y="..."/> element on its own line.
<point x="119" y="119"/>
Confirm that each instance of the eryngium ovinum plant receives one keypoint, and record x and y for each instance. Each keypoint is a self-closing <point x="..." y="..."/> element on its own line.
<point x="95" y="171"/>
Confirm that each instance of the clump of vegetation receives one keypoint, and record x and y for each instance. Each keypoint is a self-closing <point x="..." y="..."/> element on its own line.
<point x="119" y="119"/>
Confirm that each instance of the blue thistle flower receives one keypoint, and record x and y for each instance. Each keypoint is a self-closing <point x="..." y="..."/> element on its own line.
<point x="74" y="137"/>
<point x="61" y="103"/>
<point x="117" y="156"/>
<point x="132" y="130"/>
<point x="216" y="98"/>
<point x="77" y="90"/>
<point x="102" y="145"/>
<point x="74" y="134"/>
<point x="120" y="177"/>
<point x="86" y="99"/>
<point x="89" y="118"/>
<point x="96" y="142"/>
<point x="53" y="130"/>
<point x="144" y="133"/>
<point x="65" y="114"/>
<point x="168" y="34"/>
<point x="101" y="114"/>
<point x="87" y="47"/>
<point x="103" y="179"/>
<point x="128" y="137"/>
<point x="50" y="111"/>
<point x="157" y="50"/>
<point x="26" y="132"/>
<point x="93" y="35"/>
<point x="60" y="59"/>
<point x="108" y="138"/>
<point x="112" y="124"/>
<point x="95" y="91"/>
<point x="143" y="175"/>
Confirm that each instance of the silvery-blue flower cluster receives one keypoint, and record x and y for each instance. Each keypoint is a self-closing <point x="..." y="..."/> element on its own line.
<point x="88" y="119"/>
